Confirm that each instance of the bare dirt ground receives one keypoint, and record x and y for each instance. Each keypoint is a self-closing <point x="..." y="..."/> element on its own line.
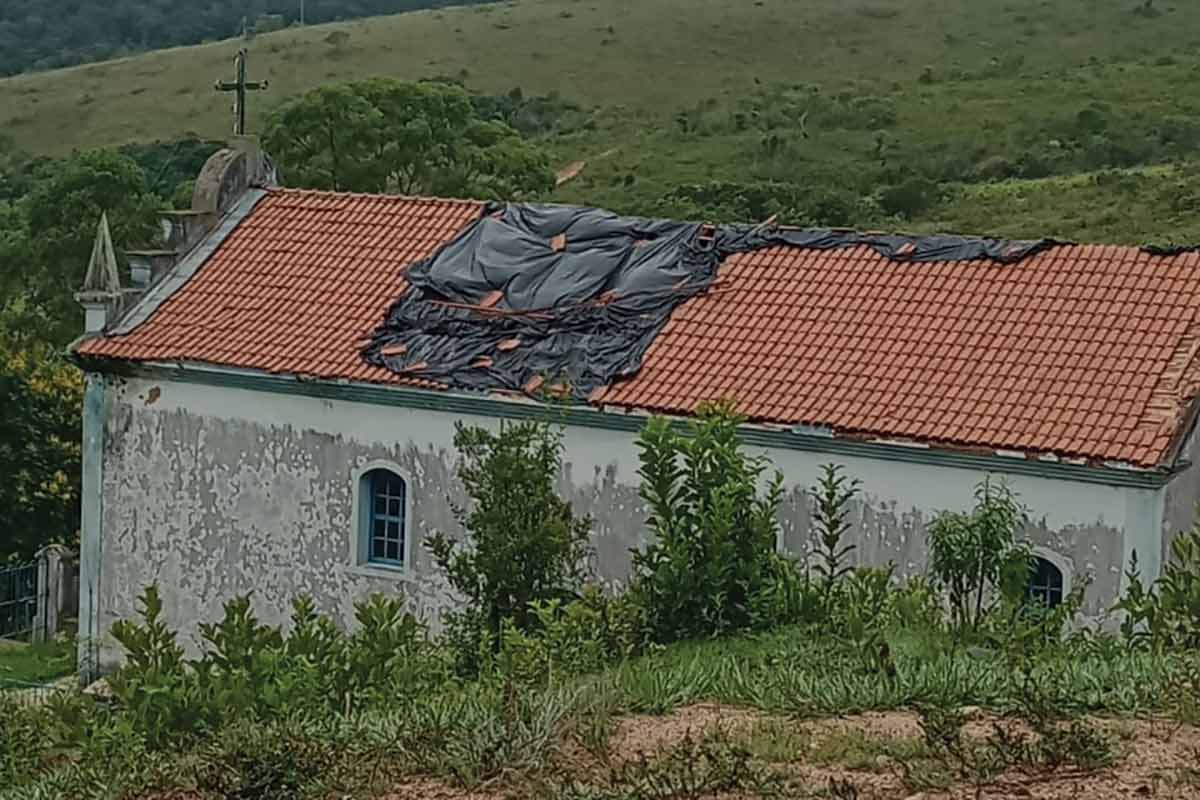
<point x="872" y="756"/>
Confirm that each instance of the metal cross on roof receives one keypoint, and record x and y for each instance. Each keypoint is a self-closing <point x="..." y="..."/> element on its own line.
<point x="240" y="87"/>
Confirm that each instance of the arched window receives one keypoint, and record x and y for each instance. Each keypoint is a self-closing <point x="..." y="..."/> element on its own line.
<point x="383" y="518"/>
<point x="1045" y="585"/>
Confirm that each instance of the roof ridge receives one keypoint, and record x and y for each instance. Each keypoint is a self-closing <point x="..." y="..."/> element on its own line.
<point x="394" y="198"/>
<point x="1048" y="243"/>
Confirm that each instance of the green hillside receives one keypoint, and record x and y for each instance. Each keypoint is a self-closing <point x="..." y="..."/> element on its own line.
<point x="1013" y="117"/>
<point x="45" y="34"/>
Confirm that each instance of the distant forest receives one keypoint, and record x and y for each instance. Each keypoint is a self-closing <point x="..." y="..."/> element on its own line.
<point x="44" y="34"/>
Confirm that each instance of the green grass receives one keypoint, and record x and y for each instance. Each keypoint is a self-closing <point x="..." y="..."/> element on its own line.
<point x="661" y="55"/>
<point x="971" y="85"/>
<point x="857" y="750"/>
<point x="782" y="740"/>
<point x="789" y="672"/>
<point x="477" y="734"/>
<point x="1133" y="206"/>
<point x="39" y="663"/>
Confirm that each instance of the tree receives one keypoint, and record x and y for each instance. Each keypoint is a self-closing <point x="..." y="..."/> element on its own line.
<point x="61" y="214"/>
<point x="44" y="34"/>
<point x="46" y="234"/>
<point x="325" y="140"/>
<point x="383" y="135"/>
<point x="714" y="546"/>
<point x="524" y="544"/>
<point x="39" y="446"/>
<point x="974" y="553"/>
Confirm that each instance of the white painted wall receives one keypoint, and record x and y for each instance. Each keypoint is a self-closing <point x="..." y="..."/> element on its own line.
<point x="186" y="508"/>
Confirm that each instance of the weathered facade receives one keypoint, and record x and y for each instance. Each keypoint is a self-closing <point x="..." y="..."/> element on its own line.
<point x="211" y="489"/>
<point x="234" y="435"/>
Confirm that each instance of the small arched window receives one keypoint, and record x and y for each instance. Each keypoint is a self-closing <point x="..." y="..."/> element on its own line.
<point x="383" y="517"/>
<point x="1045" y="586"/>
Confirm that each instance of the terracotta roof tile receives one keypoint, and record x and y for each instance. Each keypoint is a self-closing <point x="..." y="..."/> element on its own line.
<point x="290" y="292"/>
<point x="1057" y="353"/>
<point x="1083" y="351"/>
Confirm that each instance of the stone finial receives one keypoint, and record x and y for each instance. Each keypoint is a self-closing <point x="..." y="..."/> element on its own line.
<point x="102" y="267"/>
<point x="100" y="295"/>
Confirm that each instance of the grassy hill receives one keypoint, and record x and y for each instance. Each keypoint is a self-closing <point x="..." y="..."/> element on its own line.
<point x="1076" y="118"/>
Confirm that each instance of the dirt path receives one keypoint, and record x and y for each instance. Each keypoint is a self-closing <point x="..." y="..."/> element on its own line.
<point x="862" y="757"/>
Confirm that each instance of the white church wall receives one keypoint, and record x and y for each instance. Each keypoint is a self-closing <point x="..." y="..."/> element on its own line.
<point x="1182" y="500"/>
<point x="211" y="492"/>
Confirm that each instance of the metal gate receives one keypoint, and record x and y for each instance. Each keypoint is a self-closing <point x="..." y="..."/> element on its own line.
<point x="18" y="600"/>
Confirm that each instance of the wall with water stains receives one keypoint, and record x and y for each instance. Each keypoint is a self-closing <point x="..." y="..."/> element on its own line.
<point x="211" y="492"/>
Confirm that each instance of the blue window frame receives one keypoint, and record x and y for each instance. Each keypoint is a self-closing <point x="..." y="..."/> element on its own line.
<point x="1045" y="587"/>
<point x="386" y="504"/>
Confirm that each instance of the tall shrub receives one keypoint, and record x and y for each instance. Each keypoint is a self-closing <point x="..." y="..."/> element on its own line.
<point x="1168" y="614"/>
<point x="523" y="542"/>
<point x="975" y="554"/>
<point x="714" y="531"/>
<point x="832" y="496"/>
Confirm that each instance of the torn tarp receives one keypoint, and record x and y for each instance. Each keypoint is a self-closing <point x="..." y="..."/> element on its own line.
<point x="529" y="294"/>
<point x="1170" y="249"/>
<point x="536" y="297"/>
<point x="900" y="247"/>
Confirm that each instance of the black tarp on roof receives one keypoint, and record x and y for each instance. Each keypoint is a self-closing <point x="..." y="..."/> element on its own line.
<point x="531" y="297"/>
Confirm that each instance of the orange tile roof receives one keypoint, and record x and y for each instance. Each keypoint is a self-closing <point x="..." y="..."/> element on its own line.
<point x="1081" y="351"/>
<point x="297" y="287"/>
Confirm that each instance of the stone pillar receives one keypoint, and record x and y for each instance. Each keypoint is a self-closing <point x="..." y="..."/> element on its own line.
<point x="49" y="592"/>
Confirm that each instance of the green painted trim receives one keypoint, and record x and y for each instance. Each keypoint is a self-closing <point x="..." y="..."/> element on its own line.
<point x="91" y="527"/>
<point x="486" y="406"/>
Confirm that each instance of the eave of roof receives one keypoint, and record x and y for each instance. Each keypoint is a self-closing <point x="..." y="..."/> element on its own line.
<point x="618" y="419"/>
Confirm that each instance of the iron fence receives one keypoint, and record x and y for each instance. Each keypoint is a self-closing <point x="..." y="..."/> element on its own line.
<point x="18" y="600"/>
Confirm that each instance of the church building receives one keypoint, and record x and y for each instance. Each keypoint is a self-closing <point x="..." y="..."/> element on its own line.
<point x="272" y="393"/>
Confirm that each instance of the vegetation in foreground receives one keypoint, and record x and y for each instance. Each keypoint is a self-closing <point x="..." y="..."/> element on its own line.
<point x="22" y="663"/>
<point x="535" y="697"/>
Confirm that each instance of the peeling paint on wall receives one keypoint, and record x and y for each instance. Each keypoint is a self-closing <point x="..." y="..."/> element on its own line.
<point x="214" y="492"/>
<point x="1182" y="497"/>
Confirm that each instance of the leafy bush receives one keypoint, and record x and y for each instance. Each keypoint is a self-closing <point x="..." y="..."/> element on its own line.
<point x="22" y="745"/>
<point x="1168" y="614"/>
<point x="569" y="642"/>
<point x="714" y="533"/>
<point x="995" y="168"/>
<point x="975" y="555"/>
<point x="788" y="596"/>
<point x="830" y="594"/>
<point x="249" y="761"/>
<point x="530" y="115"/>
<point x="524" y="544"/>
<point x="831" y="501"/>
<point x="1181" y="133"/>
<point x="572" y="638"/>
<point x="251" y="671"/>
<point x="390" y="657"/>
<point x="915" y="605"/>
<point x="154" y="686"/>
